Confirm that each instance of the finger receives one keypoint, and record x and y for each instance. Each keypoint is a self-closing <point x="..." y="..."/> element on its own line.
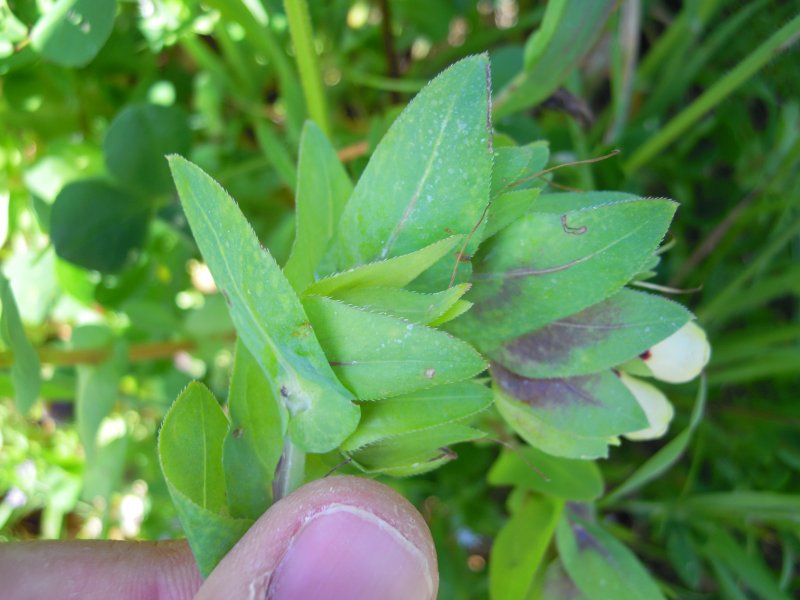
<point x="95" y="570"/>
<point x="336" y="538"/>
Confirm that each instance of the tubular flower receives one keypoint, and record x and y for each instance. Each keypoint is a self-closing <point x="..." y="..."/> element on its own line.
<point x="654" y="403"/>
<point x="681" y="356"/>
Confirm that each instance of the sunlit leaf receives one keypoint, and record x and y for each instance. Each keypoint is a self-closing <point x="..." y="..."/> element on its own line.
<point x="394" y="272"/>
<point x="254" y="442"/>
<point x="323" y="188"/>
<point x="412" y="306"/>
<point x="428" y="178"/>
<point x="599" y="337"/>
<point x="267" y="315"/>
<point x="25" y="368"/>
<point x="71" y="32"/>
<point x="548" y="266"/>
<point x="190" y="451"/>
<point x="421" y="410"/>
<point x="377" y="356"/>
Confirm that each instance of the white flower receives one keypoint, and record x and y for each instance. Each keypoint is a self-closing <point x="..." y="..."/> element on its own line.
<point x="681" y="356"/>
<point x="654" y="403"/>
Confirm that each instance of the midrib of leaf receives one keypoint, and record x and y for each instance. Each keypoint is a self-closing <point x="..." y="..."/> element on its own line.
<point x="529" y="272"/>
<point x="415" y="196"/>
<point x="278" y="355"/>
<point x="205" y="456"/>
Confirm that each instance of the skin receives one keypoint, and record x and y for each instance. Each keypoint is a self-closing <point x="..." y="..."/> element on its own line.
<point x="90" y="570"/>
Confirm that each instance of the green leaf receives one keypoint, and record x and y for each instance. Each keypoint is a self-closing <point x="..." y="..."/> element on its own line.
<point x="507" y="209"/>
<point x="749" y="568"/>
<point x="562" y="202"/>
<point x="323" y="188"/>
<point x="540" y="434"/>
<point x="429" y="176"/>
<point x="254" y="442"/>
<point x="534" y="470"/>
<point x="661" y="461"/>
<point x="190" y="451"/>
<point x="597" y="338"/>
<point x="387" y="356"/>
<point x="266" y="313"/>
<point x="420" y="410"/>
<point x="25" y="368"/>
<point x="97" y="225"/>
<point x="414" y="453"/>
<point x="137" y="142"/>
<point x="570" y="28"/>
<point x="71" y="32"/>
<point x="570" y="417"/>
<point x="601" y="566"/>
<point x="514" y="167"/>
<point x="548" y="266"/>
<point x="412" y="306"/>
<point x="595" y="405"/>
<point x="394" y="272"/>
<point x="97" y="385"/>
<point x="520" y="546"/>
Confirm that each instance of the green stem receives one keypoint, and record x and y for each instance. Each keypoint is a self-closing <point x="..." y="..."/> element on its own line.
<point x="306" y="56"/>
<point x="290" y="472"/>
<point x="776" y="44"/>
<point x="709" y="312"/>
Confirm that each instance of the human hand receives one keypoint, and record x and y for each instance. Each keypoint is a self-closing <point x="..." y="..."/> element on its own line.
<point x="339" y="537"/>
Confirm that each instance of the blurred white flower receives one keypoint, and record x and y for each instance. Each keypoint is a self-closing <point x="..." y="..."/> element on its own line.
<point x="654" y="403"/>
<point x="681" y="357"/>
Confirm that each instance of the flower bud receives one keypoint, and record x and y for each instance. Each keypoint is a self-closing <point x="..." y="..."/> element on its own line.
<point x="681" y="356"/>
<point x="654" y="403"/>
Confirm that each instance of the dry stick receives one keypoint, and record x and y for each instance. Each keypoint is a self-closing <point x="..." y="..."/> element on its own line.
<point x="136" y="353"/>
<point x="665" y="288"/>
<point x="516" y="183"/>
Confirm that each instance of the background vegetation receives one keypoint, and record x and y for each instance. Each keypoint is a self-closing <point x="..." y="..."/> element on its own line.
<point x="701" y="98"/>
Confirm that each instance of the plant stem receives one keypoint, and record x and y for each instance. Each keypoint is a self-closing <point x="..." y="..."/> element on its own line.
<point x="290" y="472"/>
<point x="136" y="353"/>
<point x="776" y="44"/>
<point x="306" y="56"/>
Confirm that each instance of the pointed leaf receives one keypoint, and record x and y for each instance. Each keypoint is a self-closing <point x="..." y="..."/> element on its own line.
<point x="377" y="356"/>
<point x="548" y="266"/>
<point x="515" y="166"/>
<point x="394" y="272"/>
<point x="539" y="434"/>
<point x="414" y="453"/>
<point x="323" y="188"/>
<point x="597" y="338"/>
<point x="420" y="410"/>
<point x="411" y="306"/>
<point x="520" y="546"/>
<point x="591" y="405"/>
<point x="532" y="469"/>
<point x="254" y="443"/>
<point x="266" y="313"/>
<point x="562" y="202"/>
<point x="600" y="565"/>
<point x="507" y="209"/>
<point x="190" y="451"/>
<point x="569" y="29"/>
<point x="25" y="368"/>
<point x="428" y="178"/>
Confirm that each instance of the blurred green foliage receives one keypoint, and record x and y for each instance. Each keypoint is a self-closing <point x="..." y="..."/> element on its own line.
<point x="700" y="96"/>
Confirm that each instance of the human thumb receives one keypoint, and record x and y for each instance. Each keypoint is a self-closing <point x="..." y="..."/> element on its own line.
<point x="336" y="538"/>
